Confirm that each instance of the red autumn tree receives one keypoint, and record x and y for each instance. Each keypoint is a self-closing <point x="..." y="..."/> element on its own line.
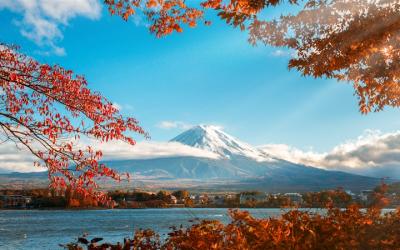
<point x="356" y="41"/>
<point x="46" y="109"/>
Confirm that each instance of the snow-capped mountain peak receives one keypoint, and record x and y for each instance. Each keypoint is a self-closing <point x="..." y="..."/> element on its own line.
<point x="212" y="138"/>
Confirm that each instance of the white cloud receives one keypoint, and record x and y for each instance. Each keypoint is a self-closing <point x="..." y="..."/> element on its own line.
<point x="373" y="153"/>
<point x="149" y="150"/>
<point x="292" y="154"/>
<point x="283" y="53"/>
<point x="127" y="107"/>
<point x="120" y="107"/>
<point x="21" y="160"/>
<point x="16" y="159"/>
<point x="174" y="125"/>
<point x="42" y="20"/>
<point x="280" y="53"/>
<point x="117" y="106"/>
<point x="373" y="148"/>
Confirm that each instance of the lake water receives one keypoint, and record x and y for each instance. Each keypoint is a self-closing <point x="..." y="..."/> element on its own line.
<point x="45" y="229"/>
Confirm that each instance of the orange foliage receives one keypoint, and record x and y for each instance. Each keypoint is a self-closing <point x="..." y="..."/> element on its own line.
<point x="330" y="198"/>
<point x="165" y="16"/>
<point x="332" y="228"/>
<point x="351" y="228"/>
<point x="355" y="41"/>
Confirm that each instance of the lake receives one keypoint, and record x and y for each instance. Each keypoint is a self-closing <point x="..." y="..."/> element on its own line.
<point x="45" y="229"/>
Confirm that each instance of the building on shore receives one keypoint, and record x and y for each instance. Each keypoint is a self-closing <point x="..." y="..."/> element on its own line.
<point x="201" y="199"/>
<point x="366" y="195"/>
<point x="253" y="197"/>
<point x="295" y="198"/>
<point x="219" y="200"/>
<point x="174" y="200"/>
<point x="15" y="201"/>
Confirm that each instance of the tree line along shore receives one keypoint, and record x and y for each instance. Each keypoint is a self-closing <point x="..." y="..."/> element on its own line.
<point x="125" y="199"/>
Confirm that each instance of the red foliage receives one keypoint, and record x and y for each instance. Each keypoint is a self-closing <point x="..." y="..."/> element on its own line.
<point x="47" y="109"/>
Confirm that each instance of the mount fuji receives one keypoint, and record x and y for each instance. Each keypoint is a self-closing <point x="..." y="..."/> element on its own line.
<point x="238" y="166"/>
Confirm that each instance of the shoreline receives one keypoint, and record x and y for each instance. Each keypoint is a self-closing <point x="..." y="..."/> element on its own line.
<point x="143" y="208"/>
<point x="167" y="208"/>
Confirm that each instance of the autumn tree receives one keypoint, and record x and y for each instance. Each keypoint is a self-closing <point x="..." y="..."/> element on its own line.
<point x="356" y="41"/>
<point x="181" y="194"/>
<point x="163" y="196"/>
<point x="50" y="111"/>
<point x="335" y="198"/>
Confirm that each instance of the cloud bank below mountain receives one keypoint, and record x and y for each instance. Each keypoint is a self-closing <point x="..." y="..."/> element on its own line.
<point x="18" y="159"/>
<point x="373" y="153"/>
<point x="149" y="150"/>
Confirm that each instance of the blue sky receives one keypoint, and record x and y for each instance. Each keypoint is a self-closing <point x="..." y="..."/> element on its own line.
<point x="207" y="75"/>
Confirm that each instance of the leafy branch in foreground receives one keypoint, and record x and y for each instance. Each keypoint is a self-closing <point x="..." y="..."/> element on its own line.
<point x="47" y="109"/>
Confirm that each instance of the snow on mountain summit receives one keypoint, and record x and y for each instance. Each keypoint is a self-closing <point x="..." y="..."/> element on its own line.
<point x="212" y="138"/>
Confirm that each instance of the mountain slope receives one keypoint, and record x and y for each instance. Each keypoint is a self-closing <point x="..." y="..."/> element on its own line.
<point x="181" y="167"/>
<point x="212" y="138"/>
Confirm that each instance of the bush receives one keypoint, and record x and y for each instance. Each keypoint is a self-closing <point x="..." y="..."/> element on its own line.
<point x="350" y="228"/>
